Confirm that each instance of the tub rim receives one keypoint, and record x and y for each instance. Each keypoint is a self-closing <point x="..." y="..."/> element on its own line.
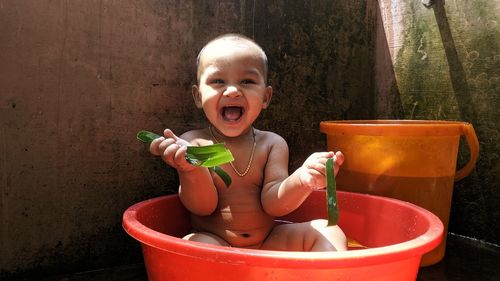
<point x="410" y="249"/>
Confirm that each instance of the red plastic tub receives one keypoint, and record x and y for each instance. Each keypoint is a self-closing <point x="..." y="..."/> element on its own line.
<point x="396" y="233"/>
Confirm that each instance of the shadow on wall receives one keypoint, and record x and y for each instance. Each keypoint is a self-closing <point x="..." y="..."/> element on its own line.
<point x="441" y="62"/>
<point x="457" y="74"/>
<point x="473" y="79"/>
<point x="387" y="98"/>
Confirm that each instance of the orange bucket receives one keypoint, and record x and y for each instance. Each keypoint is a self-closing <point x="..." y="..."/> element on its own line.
<point x="410" y="160"/>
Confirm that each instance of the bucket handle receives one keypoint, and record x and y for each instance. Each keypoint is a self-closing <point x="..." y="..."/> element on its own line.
<point x="473" y="143"/>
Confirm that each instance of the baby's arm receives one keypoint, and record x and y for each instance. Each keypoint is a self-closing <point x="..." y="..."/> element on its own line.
<point x="197" y="190"/>
<point x="281" y="194"/>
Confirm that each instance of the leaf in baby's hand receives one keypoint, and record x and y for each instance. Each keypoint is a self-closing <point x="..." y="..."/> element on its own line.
<point x="209" y="155"/>
<point x="222" y="174"/>
<point x="147" y="137"/>
<point x="331" y="193"/>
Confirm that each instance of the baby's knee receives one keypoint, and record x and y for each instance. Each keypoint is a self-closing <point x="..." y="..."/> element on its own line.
<point x="329" y="238"/>
<point x="205" y="237"/>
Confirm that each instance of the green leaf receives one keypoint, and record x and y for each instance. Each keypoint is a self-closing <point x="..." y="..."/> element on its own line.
<point x="222" y="174"/>
<point x="147" y="137"/>
<point x="208" y="149"/>
<point x="209" y="155"/>
<point x="331" y="193"/>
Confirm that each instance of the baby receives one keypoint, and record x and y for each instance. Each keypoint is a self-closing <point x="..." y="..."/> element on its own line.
<point x="232" y="90"/>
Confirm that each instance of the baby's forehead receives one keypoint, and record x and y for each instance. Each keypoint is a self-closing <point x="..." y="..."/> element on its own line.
<point x="226" y="48"/>
<point x="229" y="42"/>
<point x="231" y="48"/>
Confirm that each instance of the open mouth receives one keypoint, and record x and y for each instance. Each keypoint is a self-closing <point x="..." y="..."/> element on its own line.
<point x="232" y="113"/>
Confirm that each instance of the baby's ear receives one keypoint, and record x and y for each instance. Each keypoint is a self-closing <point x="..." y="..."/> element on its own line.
<point x="196" y="96"/>
<point x="267" y="97"/>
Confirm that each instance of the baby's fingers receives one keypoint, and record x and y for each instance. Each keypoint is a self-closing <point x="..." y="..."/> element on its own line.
<point x="317" y="166"/>
<point x="169" y="151"/>
<point x="169" y="134"/>
<point x="180" y="159"/>
<point x="154" y="147"/>
<point x="339" y="160"/>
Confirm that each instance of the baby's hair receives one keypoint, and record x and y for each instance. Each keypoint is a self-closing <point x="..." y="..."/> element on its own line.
<point x="232" y="37"/>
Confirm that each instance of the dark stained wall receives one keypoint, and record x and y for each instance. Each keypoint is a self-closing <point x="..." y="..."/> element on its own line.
<point x="78" y="79"/>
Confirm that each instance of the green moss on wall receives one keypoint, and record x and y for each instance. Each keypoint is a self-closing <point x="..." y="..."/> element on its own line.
<point x="448" y="67"/>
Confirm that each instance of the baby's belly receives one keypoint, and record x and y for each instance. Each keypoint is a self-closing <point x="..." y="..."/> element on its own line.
<point x="240" y="228"/>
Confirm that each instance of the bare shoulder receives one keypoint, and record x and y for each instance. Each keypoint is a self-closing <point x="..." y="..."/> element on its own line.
<point x="197" y="137"/>
<point x="271" y="140"/>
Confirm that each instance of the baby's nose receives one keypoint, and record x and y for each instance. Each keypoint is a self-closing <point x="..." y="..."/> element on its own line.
<point x="232" y="91"/>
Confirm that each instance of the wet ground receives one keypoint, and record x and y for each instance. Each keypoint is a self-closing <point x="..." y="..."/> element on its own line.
<point x="465" y="259"/>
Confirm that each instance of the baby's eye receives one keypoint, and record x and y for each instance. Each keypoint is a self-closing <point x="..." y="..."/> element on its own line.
<point x="248" y="81"/>
<point x="216" y="81"/>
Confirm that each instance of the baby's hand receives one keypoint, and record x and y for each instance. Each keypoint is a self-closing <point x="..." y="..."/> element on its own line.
<point x="172" y="150"/>
<point x="313" y="171"/>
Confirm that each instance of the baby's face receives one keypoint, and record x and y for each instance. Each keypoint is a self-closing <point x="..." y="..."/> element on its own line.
<point x="232" y="86"/>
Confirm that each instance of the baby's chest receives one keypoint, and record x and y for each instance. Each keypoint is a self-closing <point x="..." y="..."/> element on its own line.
<point x="253" y="179"/>
<point x="240" y="198"/>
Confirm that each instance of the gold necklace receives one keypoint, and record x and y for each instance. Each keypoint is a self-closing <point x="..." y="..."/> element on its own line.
<point x="231" y="163"/>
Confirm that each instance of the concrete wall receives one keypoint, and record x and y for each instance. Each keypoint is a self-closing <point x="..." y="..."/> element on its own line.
<point x="78" y="79"/>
